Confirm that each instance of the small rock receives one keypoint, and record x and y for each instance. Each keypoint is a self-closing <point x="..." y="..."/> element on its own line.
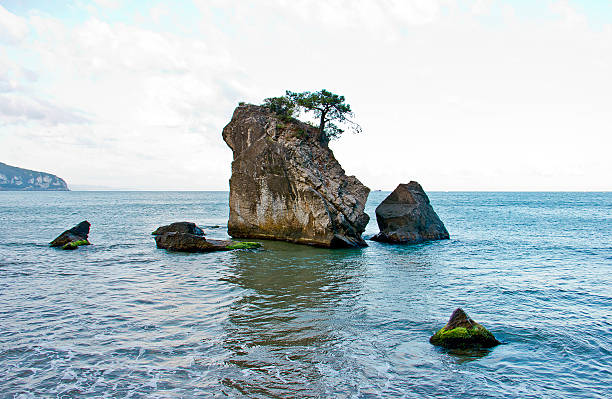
<point x="463" y="332"/>
<point x="406" y="216"/>
<point x="180" y="227"/>
<point x="185" y="242"/>
<point x="73" y="238"/>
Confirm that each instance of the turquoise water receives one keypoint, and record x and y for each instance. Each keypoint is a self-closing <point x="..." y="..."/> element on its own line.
<point x="123" y="319"/>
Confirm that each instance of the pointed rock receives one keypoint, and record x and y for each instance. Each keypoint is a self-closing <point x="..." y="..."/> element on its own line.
<point x="463" y="332"/>
<point x="406" y="216"/>
<point x="73" y="238"/>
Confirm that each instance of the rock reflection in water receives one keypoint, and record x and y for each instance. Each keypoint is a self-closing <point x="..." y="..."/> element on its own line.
<point x="288" y="316"/>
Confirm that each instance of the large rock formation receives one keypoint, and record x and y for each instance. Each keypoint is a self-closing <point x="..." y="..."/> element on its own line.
<point x="406" y="216"/>
<point x="463" y="332"/>
<point x="17" y="179"/>
<point x="74" y="237"/>
<point x="287" y="185"/>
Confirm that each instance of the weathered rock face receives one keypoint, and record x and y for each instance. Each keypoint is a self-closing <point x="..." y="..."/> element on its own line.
<point x="463" y="332"/>
<point x="287" y="185"/>
<point x="180" y="227"/>
<point x="18" y="179"/>
<point x="406" y="216"/>
<point x="73" y="238"/>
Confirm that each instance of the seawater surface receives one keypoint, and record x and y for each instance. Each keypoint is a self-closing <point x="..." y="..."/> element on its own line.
<point x="123" y="319"/>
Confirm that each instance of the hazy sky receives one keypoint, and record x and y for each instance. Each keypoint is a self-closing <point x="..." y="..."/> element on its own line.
<point x="458" y="95"/>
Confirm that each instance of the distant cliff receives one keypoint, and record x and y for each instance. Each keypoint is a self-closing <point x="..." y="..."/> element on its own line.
<point x="18" y="179"/>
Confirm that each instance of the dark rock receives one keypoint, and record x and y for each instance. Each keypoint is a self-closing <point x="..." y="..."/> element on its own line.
<point x="406" y="216"/>
<point x="73" y="238"/>
<point x="463" y="332"/>
<point x="185" y="242"/>
<point x="287" y="185"/>
<point x="13" y="178"/>
<point x="180" y="227"/>
<point x="75" y="244"/>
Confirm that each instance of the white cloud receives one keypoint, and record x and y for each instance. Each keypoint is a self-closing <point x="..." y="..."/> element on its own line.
<point x="150" y="98"/>
<point x="571" y="17"/>
<point x="13" y="29"/>
<point x="108" y="3"/>
<point x="444" y="98"/>
<point x="16" y="108"/>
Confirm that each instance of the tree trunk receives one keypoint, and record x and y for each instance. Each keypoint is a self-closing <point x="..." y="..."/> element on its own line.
<point x="322" y="123"/>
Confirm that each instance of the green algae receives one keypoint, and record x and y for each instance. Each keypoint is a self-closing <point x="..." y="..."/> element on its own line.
<point x="462" y="337"/>
<point x="244" y="245"/>
<point x="75" y="244"/>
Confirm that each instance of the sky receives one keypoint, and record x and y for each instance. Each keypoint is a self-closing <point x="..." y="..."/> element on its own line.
<point x="483" y="95"/>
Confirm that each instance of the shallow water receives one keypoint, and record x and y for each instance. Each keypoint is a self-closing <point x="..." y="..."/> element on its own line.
<point x="123" y="319"/>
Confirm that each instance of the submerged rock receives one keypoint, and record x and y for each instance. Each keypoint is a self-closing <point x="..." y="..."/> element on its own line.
<point x="463" y="332"/>
<point x="180" y="227"/>
<point x="406" y="216"/>
<point x="185" y="242"/>
<point x="73" y="238"/>
<point x="287" y="185"/>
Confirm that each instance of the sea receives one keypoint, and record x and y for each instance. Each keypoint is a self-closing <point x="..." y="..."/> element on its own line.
<point x="123" y="319"/>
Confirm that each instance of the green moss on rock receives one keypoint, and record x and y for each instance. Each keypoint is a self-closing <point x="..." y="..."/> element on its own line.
<point x="244" y="245"/>
<point x="75" y="244"/>
<point x="462" y="337"/>
<point x="463" y="332"/>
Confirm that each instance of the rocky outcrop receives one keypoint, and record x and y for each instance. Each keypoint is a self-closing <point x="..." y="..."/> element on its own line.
<point x="180" y="227"/>
<point x="73" y="238"/>
<point x="17" y="179"/>
<point x="463" y="332"/>
<point x="406" y="216"/>
<point x="188" y="237"/>
<point x="287" y="185"/>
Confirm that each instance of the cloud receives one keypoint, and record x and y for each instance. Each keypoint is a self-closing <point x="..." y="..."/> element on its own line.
<point x="13" y="29"/>
<point x="136" y="99"/>
<point x="107" y="3"/>
<point x="16" y="108"/>
<point x="383" y="18"/>
<point x="491" y="92"/>
<point x="571" y="17"/>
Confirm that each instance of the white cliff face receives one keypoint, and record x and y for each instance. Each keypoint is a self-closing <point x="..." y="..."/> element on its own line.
<point x="286" y="185"/>
<point x="13" y="178"/>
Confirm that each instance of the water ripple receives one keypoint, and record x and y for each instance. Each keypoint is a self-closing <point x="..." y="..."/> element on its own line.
<point x="123" y="319"/>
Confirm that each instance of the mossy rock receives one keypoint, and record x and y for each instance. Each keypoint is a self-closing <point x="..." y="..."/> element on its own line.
<point x="463" y="332"/>
<point x="75" y="244"/>
<point x="244" y="245"/>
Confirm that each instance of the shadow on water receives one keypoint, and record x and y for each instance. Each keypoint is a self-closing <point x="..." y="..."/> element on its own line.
<point x="286" y="319"/>
<point x="463" y="356"/>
